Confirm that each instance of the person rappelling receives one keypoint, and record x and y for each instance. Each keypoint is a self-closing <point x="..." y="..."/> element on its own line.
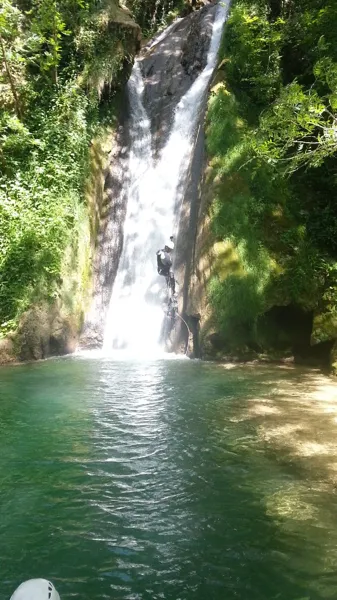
<point x="164" y="263"/>
<point x="164" y="267"/>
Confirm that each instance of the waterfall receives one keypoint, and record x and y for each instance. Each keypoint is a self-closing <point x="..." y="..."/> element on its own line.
<point x="154" y="198"/>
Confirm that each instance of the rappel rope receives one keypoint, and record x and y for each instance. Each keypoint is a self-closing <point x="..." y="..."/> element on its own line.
<point x="188" y="329"/>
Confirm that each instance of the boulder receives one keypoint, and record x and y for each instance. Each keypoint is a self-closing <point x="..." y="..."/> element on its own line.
<point x="44" y="331"/>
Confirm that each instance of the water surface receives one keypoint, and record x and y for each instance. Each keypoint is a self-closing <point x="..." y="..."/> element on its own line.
<point x="168" y="480"/>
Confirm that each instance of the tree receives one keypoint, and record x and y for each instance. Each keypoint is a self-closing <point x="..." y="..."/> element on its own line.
<point x="10" y="18"/>
<point x="48" y="27"/>
<point x="300" y="128"/>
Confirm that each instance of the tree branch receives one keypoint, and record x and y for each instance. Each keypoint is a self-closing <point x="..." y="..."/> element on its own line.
<point x="11" y="81"/>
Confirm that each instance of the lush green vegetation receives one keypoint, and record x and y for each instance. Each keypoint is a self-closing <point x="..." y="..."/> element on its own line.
<point x="272" y="138"/>
<point x="152" y="14"/>
<point x="61" y="64"/>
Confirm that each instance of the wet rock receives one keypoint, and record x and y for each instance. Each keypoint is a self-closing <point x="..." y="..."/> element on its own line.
<point x="188" y="266"/>
<point x="180" y="57"/>
<point x="7" y="351"/>
<point x="109" y="241"/>
<point x="44" y="332"/>
<point x="169" y="68"/>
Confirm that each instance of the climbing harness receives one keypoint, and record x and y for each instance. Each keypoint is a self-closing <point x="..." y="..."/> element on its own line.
<point x="171" y="304"/>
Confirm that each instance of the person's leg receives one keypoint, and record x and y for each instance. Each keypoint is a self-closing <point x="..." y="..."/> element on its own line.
<point x="162" y="271"/>
<point x="172" y="282"/>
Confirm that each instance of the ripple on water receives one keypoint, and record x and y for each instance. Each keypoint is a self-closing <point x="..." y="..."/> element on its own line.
<point x="159" y="480"/>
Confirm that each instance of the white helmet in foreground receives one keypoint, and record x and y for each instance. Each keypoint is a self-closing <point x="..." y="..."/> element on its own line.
<point x="35" y="589"/>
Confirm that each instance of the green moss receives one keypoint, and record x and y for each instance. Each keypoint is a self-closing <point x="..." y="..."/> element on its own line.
<point x="257" y="216"/>
<point x="108" y="43"/>
<point x="75" y="289"/>
<point x="324" y="327"/>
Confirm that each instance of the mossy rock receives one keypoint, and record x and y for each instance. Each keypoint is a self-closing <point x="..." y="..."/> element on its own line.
<point x="324" y="328"/>
<point x="44" y="331"/>
<point x="7" y="351"/>
<point x="333" y="359"/>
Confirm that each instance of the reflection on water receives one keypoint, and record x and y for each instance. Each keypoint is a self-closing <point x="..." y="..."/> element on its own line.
<point x="168" y="479"/>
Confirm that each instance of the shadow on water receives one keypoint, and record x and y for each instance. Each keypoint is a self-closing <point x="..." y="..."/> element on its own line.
<point x="268" y="515"/>
<point x="168" y="479"/>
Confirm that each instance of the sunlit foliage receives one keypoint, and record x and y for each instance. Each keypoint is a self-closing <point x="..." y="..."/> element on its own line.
<point x="61" y="66"/>
<point x="272" y="138"/>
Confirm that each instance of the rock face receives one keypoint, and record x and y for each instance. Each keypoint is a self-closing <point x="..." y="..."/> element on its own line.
<point x="109" y="240"/>
<point x="44" y="331"/>
<point x="282" y="331"/>
<point x="189" y="246"/>
<point x="7" y="351"/>
<point x="170" y="66"/>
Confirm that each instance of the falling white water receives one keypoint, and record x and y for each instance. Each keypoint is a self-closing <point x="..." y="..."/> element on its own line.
<point x="154" y="198"/>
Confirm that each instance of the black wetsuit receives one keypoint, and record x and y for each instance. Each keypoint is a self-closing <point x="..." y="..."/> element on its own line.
<point x="164" y="264"/>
